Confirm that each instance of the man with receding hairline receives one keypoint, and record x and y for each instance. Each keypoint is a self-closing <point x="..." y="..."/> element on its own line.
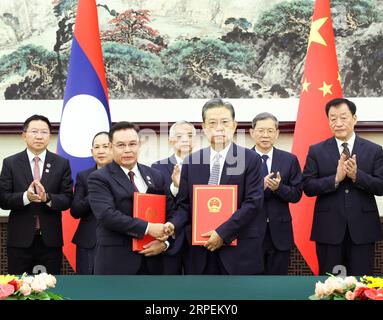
<point x="344" y="172"/>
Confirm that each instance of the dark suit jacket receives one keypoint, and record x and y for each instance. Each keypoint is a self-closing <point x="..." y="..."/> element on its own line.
<point x="16" y="176"/>
<point x="351" y="204"/>
<point x="166" y="167"/>
<point x="85" y="235"/>
<point x="111" y="201"/>
<point x="276" y="204"/>
<point x="242" y="168"/>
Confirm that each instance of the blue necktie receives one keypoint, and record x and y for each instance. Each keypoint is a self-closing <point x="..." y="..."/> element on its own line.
<point x="264" y="169"/>
<point x="215" y="170"/>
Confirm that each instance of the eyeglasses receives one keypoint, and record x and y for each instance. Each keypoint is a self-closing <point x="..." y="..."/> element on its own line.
<point x="224" y="123"/>
<point x="35" y="132"/>
<point x="122" y="146"/>
<point x="265" y="130"/>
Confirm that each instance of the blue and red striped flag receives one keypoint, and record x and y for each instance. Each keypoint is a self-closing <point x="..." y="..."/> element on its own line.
<point x="86" y="107"/>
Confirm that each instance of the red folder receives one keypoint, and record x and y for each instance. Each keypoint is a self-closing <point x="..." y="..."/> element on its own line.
<point x="151" y="208"/>
<point x="212" y="206"/>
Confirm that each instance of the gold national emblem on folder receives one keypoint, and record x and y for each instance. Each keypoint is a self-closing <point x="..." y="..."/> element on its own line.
<point x="212" y="206"/>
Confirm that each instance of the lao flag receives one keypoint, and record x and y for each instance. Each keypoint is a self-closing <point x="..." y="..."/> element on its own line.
<point x="86" y="108"/>
<point x="320" y="83"/>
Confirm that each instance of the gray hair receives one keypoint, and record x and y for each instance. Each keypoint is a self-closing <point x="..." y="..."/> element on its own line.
<point x="264" y="116"/>
<point x="175" y="124"/>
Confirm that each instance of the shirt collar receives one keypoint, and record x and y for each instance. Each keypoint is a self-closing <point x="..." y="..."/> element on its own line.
<point x="350" y="142"/>
<point x="31" y="155"/>
<point x="178" y="159"/>
<point x="223" y="152"/>
<point x="134" y="169"/>
<point x="269" y="154"/>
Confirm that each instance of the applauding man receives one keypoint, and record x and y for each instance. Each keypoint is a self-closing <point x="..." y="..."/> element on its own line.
<point x="282" y="185"/>
<point x="36" y="185"/>
<point x="345" y="172"/>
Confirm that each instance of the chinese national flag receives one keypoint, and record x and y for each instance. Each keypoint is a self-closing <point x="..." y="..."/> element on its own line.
<point x="320" y="83"/>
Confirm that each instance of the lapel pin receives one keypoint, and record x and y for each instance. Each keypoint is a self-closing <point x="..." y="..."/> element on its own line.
<point x="48" y="165"/>
<point x="46" y="170"/>
<point x="147" y="177"/>
<point x="149" y="182"/>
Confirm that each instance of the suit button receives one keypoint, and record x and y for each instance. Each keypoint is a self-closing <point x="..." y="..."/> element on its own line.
<point x="346" y="191"/>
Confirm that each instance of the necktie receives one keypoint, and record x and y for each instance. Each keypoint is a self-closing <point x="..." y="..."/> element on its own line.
<point x="215" y="170"/>
<point x="264" y="169"/>
<point x="36" y="176"/>
<point x="346" y="150"/>
<point x="131" y="178"/>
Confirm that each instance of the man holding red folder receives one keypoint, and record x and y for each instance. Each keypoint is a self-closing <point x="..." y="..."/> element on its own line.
<point x="111" y="191"/>
<point x="222" y="163"/>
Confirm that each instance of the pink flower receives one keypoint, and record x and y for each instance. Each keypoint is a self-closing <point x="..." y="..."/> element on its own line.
<point x="25" y="289"/>
<point x="6" y="290"/>
<point x="350" y="295"/>
<point x="374" y="294"/>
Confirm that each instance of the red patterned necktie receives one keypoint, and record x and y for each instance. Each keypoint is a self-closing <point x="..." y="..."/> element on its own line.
<point x="131" y="178"/>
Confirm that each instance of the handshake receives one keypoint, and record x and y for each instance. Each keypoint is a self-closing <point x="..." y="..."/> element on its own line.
<point x="161" y="231"/>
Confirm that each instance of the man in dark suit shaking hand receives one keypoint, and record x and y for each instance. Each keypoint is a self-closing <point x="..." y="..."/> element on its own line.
<point x="111" y="191"/>
<point x="222" y="163"/>
<point x="345" y="172"/>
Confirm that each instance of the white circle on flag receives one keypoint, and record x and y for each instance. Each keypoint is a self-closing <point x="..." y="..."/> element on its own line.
<point x="82" y="118"/>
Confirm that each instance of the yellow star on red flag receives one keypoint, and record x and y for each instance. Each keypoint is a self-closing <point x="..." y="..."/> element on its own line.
<point x="315" y="36"/>
<point x="305" y="85"/>
<point x="326" y="88"/>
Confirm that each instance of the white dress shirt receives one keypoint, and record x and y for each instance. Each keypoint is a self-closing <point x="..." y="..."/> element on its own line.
<point x="269" y="160"/>
<point x="138" y="179"/>
<point x="350" y="144"/>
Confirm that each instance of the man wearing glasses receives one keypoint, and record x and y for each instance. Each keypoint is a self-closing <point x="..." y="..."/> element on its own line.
<point x="282" y="184"/>
<point x="36" y="185"/>
<point x="181" y="139"/>
<point x="111" y="191"/>
<point x="222" y="163"/>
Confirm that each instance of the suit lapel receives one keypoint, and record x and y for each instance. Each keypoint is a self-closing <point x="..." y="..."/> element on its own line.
<point x="333" y="150"/>
<point x="148" y="178"/>
<point x="276" y="162"/>
<point x="231" y="162"/>
<point x="171" y="164"/>
<point x="48" y="168"/>
<point x="204" y="168"/>
<point x="26" y="167"/>
<point x="358" y="146"/>
<point x="119" y="175"/>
